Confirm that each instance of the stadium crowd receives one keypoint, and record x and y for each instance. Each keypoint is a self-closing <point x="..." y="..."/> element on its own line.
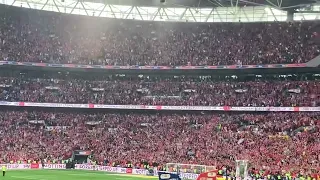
<point x="270" y="141"/>
<point x="38" y="36"/>
<point x="143" y="91"/>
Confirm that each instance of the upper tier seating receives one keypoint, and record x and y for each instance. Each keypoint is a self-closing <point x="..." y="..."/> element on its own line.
<point x="38" y="36"/>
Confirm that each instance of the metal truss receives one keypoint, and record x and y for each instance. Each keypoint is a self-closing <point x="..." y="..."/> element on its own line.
<point x="163" y="13"/>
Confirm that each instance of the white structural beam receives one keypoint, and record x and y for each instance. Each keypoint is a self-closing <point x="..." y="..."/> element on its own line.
<point x="182" y="14"/>
<point x="156" y="14"/>
<point x="100" y="12"/>
<point x="192" y="15"/>
<point x="44" y="4"/>
<point x="112" y="12"/>
<point x="84" y="8"/>
<point x="163" y="13"/>
<point x="73" y="7"/>
<point x="130" y="13"/>
<point x="209" y="15"/>
<point x="137" y="8"/>
<point x="275" y="17"/>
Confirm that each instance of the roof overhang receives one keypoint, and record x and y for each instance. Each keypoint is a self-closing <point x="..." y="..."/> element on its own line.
<point x="281" y="4"/>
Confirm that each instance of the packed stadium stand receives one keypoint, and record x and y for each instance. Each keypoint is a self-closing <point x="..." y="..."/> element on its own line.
<point x="36" y="36"/>
<point x="174" y="91"/>
<point x="272" y="141"/>
<point x="270" y="118"/>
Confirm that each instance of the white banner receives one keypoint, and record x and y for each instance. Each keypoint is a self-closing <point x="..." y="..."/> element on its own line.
<point x="28" y="166"/>
<point x="122" y="170"/>
<point x="101" y="168"/>
<point x="53" y="166"/>
<point x="17" y="166"/>
<point x="58" y="105"/>
<point x="297" y="91"/>
<point x="52" y="88"/>
<point x="107" y="169"/>
<point x="97" y="89"/>
<point x="57" y="128"/>
<point x="192" y="108"/>
<point x="241" y="90"/>
<point x="85" y="167"/>
<point x="6" y="103"/>
<point x="139" y="171"/>
<point x="102" y="106"/>
<point x="183" y="175"/>
<point x="147" y="107"/>
<point x="5" y="85"/>
<point x="188" y="176"/>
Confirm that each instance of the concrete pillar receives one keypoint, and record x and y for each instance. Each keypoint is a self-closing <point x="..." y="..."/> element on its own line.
<point x="290" y="14"/>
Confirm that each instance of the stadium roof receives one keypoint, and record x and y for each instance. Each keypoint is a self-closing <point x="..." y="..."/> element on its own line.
<point x="281" y="4"/>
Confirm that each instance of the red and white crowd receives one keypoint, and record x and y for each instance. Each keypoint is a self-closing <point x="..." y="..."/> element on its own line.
<point x="39" y="36"/>
<point x="166" y="91"/>
<point x="270" y="141"/>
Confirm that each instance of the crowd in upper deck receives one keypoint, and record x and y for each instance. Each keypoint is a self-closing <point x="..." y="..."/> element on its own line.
<point x="270" y="141"/>
<point x="39" y="36"/>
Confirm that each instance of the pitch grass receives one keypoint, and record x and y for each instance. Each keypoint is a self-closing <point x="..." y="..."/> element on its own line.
<point x="69" y="175"/>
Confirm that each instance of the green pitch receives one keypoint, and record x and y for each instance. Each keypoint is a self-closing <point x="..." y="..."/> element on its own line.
<point x="69" y="175"/>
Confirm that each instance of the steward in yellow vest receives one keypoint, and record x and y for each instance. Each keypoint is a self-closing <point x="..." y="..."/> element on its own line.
<point x="4" y="168"/>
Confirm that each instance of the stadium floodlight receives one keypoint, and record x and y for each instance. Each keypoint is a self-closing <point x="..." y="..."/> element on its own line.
<point x="242" y="168"/>
<point x="188" y="168"/>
